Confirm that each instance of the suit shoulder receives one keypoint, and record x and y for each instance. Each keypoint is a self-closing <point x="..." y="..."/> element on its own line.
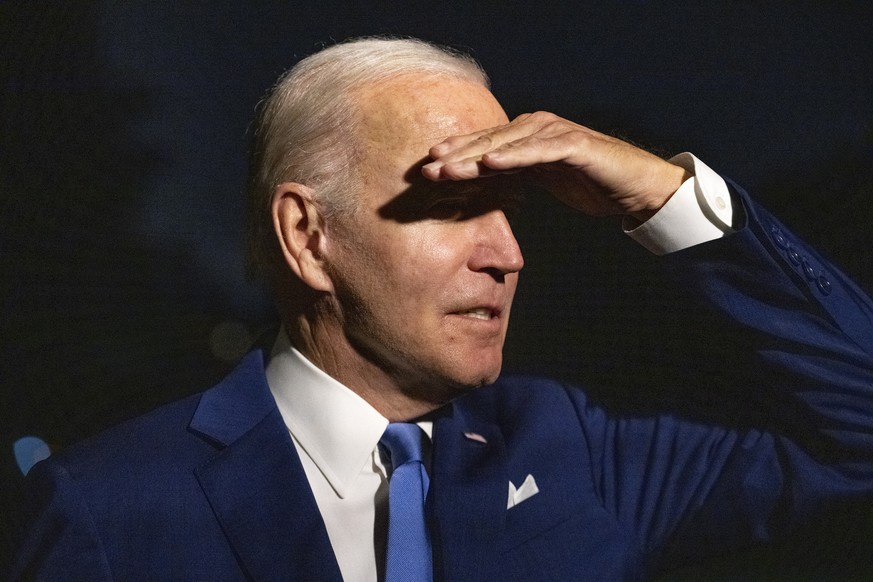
<point x="143" y="440"/>
<point x="169" y="438"/>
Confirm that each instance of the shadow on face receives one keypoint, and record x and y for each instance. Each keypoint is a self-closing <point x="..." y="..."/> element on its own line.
<point x="453" y="201"/>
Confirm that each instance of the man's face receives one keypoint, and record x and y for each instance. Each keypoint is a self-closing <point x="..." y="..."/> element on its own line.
<point x="425" y="272"/>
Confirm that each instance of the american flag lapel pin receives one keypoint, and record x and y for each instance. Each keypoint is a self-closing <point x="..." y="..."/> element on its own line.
<point x="475" y="436"/>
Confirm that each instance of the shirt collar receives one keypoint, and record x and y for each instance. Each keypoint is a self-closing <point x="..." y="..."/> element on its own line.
<point x="337" y="428"/>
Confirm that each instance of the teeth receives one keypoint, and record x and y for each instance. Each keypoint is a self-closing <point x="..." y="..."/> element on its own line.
<point x="479" y="313"/>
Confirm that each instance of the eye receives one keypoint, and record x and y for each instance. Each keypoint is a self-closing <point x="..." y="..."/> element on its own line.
<point x="449" y="208"/>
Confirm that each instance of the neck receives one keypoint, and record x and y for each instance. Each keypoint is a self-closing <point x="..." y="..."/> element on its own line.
<point x="391" y="393"/>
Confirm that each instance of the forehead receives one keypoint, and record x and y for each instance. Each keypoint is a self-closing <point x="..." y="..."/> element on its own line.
<point x="404" y="116"/>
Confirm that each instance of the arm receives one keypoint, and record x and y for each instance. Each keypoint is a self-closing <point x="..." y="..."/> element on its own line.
<point x="799" y="357"/>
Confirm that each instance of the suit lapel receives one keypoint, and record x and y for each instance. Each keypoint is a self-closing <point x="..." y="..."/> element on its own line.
<point x="467" y="504"/>
<point x="256" y="484"/>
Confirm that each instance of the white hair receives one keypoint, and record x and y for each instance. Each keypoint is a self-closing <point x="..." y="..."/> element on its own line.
<point x="306" y="128"/>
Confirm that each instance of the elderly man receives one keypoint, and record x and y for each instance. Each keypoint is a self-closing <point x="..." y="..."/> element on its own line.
<point x="377" y="440"/>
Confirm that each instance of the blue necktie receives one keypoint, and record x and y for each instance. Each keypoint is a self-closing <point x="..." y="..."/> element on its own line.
<point x="408" y="557"/>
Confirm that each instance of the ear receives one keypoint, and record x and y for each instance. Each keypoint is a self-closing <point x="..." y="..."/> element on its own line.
<point x="298" y="225"/>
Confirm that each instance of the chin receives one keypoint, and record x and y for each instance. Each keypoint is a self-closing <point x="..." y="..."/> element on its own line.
<point x="489" y="369"/>
<point x="455" y="385"/>
<point x="453" y="378"/>
<point x="483" y="378"/>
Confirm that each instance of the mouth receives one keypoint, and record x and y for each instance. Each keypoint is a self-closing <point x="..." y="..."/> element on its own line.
<point x="481" y="313"/>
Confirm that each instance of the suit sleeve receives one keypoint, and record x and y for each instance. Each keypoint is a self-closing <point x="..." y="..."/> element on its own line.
<point x="62" y="542"/>
<point x="803" y="335"/>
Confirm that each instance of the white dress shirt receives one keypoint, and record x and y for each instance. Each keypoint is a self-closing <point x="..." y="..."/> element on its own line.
<point x="336" y="432"/>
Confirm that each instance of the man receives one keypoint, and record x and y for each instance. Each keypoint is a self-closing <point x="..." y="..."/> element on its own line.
<point x="381" y="173"/>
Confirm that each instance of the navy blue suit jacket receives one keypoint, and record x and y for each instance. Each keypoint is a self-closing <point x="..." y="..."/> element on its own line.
<point x="211" y="487"/>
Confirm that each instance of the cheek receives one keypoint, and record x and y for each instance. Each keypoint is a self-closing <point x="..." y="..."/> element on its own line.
<point x="401" y="271"/>
<point x="422" y="261"/>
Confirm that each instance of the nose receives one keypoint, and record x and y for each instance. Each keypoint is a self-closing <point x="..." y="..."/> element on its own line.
<point x="496" y="249"/>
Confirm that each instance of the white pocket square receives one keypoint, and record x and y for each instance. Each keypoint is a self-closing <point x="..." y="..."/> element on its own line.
<point x="527" y="490"/>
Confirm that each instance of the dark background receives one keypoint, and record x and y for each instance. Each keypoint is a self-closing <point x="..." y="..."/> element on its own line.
<point x="122" y="169"/>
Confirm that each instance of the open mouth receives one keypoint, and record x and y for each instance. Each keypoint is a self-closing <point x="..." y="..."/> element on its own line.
<point x="483" y="313"/>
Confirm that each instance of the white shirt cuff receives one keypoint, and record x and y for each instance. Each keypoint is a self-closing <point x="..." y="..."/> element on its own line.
<point x="700" y="211"/>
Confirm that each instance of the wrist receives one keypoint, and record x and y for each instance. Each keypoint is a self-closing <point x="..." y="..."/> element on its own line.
<point x="667" y="184"/>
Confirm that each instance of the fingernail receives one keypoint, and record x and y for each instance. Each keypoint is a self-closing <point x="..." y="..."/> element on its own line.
<point x="439" y="149"/>
<point x="433" y="168"/>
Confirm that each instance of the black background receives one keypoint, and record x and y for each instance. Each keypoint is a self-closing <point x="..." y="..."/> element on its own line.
<point x="122" y="168"/>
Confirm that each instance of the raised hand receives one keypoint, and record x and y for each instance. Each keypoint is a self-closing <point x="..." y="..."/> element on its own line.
<point x="592" y="172"/>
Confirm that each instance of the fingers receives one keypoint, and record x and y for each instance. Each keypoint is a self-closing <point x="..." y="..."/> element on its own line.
<point x="528" y="140"/>
<point x="480" y="141"/>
